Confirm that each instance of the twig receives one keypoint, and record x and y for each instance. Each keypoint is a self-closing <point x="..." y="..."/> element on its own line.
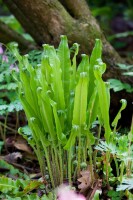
<point x="9" y="128"/>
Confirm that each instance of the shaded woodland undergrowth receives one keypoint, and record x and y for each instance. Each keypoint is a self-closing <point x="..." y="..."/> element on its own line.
<point x="69" y="132"/>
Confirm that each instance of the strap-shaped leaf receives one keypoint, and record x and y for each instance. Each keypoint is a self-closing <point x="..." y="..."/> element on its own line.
<point x="39" y="133"/>
<point x="29" y="94"/>
<point x="84" y="65"/>
<point x="56" y="81"/>
<point x="63" y="53"/>
<point x="93" y="108"/>
<point x="79" y="111"/>
<point x="75" y="47"/>
<point x="47" y="114"/>
<point x="74" y="133"/>
<point x="103" y="101"/>
<point x="27" y="107"/>
<point x="31" y="84"/>
<point x="60" y="135"/>
<point x="80" y="101"/>
<point x="96" y="54"/>
<point x="45" y="70"/>
<point x="14" y="49"/>
<point x="30" y="115"/>
<point x="24" y="77"/>
<point x="40" y="93"/>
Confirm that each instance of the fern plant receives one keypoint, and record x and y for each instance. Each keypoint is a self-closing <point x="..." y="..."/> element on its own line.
<point x="61" y="101"/>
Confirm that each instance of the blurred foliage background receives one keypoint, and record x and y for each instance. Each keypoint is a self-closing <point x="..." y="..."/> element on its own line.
<point x="116" y="20"/>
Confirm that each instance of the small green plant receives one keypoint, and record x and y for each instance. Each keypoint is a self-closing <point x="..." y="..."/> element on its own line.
<point x="9" y="102"/>
<point x="7" y="84"/>
<point x="62" y="101"/>
<point x="117" y="85"/>
<point x="20" y="189"/>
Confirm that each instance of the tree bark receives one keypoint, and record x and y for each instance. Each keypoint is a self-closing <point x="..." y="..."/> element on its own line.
<point x="7" y="35"/>
<point x="46" y="20"/>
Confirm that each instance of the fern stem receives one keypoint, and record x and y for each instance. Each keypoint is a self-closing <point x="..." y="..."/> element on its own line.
<point x="39" y="154"/>
<point x="57" y="164"/>
<point x="116" y="165"/>
<point x="9" y="128"/>
<point x="129" y="162"/>
<point x="53" y="165"/>
<point x="40" y="159"/>
<point x="107" y="165"/>
<point x="61" y="164"/>
<point x="48" y="164"/>
<point x="121" y="171"/>
<point x="91" y="163"/>
<point x="69" y="166"/>
<point x="84" y="152"/>
<point x="49" y="167"/>
<point x="97" y="141"/>
<point x="79" y="153"/>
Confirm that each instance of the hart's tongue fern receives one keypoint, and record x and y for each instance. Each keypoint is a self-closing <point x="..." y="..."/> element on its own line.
<point x="61" y="101"/>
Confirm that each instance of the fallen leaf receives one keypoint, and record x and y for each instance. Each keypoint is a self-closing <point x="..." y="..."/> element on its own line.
<point x="87" y="186"/>
<point x="21" y="144"/>
<point x="12" y="157"/>
<point x="85" y="181"/>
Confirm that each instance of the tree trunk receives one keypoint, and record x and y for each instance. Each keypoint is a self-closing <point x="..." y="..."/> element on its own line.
<point x="46" y="20"/>
<point x="7" y="35"/>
